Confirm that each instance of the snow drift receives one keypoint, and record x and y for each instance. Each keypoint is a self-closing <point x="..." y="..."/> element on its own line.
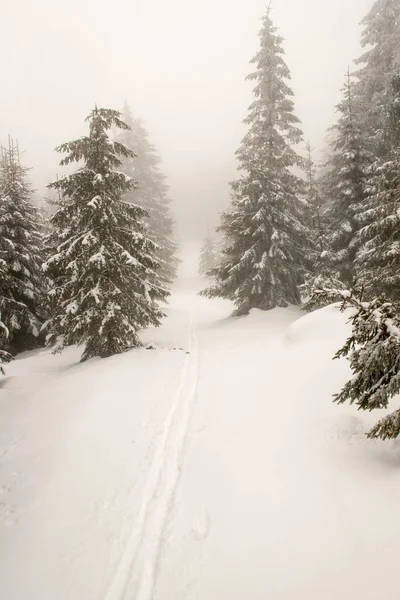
<point x="214" y="466"/>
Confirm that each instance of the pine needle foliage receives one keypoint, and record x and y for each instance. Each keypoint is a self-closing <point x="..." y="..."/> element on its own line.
<point x="102" y="265"/>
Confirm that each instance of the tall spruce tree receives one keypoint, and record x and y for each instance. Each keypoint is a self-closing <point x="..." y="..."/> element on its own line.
<point x="378" y="259"/>
<point x="344" y="185"/>
<point x="151" y="193"/>
<point x="263" y="259"/>
<point x="21" y="257"/>
<point x="378" y="65"/>
<point x="102" y="266"/>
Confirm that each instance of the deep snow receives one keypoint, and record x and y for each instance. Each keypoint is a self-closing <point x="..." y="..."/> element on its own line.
<point x="213" y="467"/>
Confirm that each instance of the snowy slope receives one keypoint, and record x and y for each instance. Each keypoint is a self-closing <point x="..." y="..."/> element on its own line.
<point x="213" y="467"/>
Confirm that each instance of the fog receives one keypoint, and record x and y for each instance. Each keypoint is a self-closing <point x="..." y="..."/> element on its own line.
<point x="181" y="65"/>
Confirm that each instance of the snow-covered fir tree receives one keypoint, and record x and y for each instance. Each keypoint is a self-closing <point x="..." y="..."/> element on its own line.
<point x="103" y="265"/>
<point x="21" y="256"/>
<point x="208" y="255"/>
<point x="344" y="185"/>
<point x="373" y="350"/>
<point x="5" y="356"/>
<point x="266" y="246"/>
<point x="151" y="193"/>
<point x="378" y="259"/>
<point x="378" y="65"/>
<point x="321" y="272"/>
<point x="313" y="198"/>
<point x="314" y="212"/>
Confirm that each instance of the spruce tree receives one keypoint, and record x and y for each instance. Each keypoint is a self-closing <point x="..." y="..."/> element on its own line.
<point x="5" y="357"/>
<point x="373" y="350"/>
<point x="378" y="259"/>
<point x="313" y="199"/>
<point x="151" y="193"/>
<point x="264" y="256"/>
<point x="378" y="65"/>
<point x="322" y="269"/>
<point x="21" y="257"/>
<point x="102" y="265"/>
<point x="344" y="185"/>
<point x="208" y="255"/>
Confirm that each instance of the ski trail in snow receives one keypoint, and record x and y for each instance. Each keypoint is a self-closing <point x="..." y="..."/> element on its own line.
<point x="136" y="573"/>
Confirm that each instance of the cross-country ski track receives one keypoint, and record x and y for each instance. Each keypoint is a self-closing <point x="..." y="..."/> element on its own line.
<point x="212" y="465"/>
<point x="137" y="569"/>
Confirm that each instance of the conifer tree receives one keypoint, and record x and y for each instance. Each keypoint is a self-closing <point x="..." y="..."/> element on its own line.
<point x="314" y="213"/>
<point x="5" y="357"/>
<point x="378" y="65"/>
<point x="344" y="185"/>
<point x="102" y="264"/>
<point x="313" y="198"/>
<point x="378" y="259"/>
<point x="264" y="256"/>
<point x="373" y="350"/>
<point x="21" y="256"/>
<point x="322" y="270"/>
<point x="151" y="193"/>
<point x="208" y="255"/>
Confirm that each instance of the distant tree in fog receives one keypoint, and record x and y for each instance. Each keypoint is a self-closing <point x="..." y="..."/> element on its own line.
<point x="321" y="271"/>
<point x="102" y="265"/>
<point x="344" y="185"/>
<point x="208" y="255"/>
<point x="266" y="246"/>
<point x="151" y="193"/>
<point x="21" y="256"/>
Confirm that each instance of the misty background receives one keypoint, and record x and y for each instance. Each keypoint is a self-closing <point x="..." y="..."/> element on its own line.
<point x="181" y="64"/>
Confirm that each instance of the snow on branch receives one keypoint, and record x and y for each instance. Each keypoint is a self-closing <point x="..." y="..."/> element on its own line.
<point x="373" y="350"/>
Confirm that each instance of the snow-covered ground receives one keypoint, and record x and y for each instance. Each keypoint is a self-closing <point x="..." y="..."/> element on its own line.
<point x="214" y="467"/>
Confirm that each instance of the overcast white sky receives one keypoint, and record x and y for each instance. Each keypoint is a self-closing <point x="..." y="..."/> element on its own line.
<point x="181" y="64"/>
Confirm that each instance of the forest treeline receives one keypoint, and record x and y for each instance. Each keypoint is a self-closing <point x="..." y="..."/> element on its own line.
<point x="296" y="233"/>
<point x="98" y="270"/>
<point x="95" y="272"/>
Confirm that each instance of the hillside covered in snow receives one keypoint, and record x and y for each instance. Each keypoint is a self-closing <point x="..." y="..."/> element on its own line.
<point x="210" y="464"/>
